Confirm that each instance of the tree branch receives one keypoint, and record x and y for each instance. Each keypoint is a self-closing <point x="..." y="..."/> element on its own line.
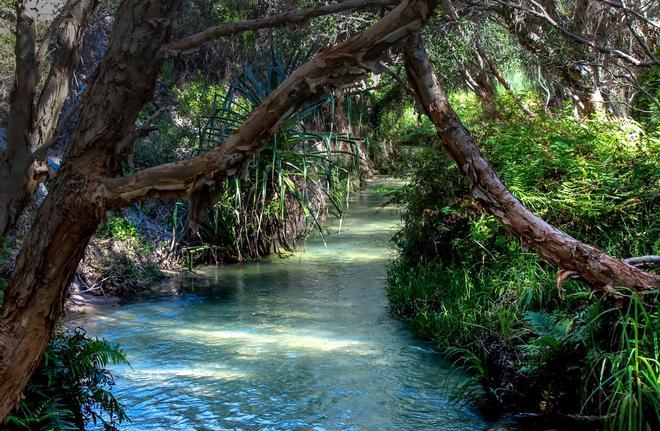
<point x="25" y="80"/>
<point x="643" y="260"/>
<point x="543" y="14"/>
<point x="52" y="28"/>
<point x="140" y="131"/>
<point x="333" y="67"/>
<point x="631" y="11"/>
<point x="193" y="42"/>
<point x="72" y="23"/>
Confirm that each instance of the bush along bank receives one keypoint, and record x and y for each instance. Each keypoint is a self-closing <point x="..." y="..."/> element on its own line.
<point x="565" y="355"/>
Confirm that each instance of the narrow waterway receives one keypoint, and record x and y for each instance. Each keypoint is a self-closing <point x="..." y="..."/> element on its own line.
<point x="304" y="343"/>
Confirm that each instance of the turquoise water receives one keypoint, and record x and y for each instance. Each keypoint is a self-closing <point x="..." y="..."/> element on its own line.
<point x="305" y="343"/>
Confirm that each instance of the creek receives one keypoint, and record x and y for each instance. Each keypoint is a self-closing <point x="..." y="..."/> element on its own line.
<point x="304" y="343"/>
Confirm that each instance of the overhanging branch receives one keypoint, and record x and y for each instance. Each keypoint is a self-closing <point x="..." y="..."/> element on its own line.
<point x="549" y="242"/>
<point x="193" y="42"/>
<point x="540" y="12"/>
<point x="333" y="67"/>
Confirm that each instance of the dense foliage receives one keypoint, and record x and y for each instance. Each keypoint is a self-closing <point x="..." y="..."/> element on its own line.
<point x="284" y="191"/>
<point x="533" y="344"/>
<point x="464" y="282"/>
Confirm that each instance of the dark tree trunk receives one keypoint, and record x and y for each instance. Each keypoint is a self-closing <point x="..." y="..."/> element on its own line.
<point x="34" y="299"/>
<point x="16" y="160"/>
<point x="534" y="233"/>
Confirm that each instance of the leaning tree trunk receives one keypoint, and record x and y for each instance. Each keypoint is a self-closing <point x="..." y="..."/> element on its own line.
<point x="534" y="233"/>
<point x="88" y="185"/>
<point x="481" y="86"/>
<point x="492" y="68"/>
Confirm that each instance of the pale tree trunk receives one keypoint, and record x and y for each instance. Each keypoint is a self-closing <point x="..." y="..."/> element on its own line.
<point x="32" y="122"/>
<point x="68" y="43"/>
<point x="563" y="79"/>
<point x="481" y="86"/>
<point x="550" y="243"/>
<point x="87" y="185"/>
<point x="492" y="68"/>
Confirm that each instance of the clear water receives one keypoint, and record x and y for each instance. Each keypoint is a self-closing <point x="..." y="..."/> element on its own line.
<point x="304" y="343"/>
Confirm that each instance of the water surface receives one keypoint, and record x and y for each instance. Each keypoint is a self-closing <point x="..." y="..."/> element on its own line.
<point x="304" y="343"/>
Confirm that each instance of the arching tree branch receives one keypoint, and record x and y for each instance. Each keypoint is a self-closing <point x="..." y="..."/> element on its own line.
<point x="331" y="68"/>
<point x="193" y="42"/>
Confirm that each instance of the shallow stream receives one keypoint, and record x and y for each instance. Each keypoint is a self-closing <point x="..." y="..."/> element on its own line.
<point x="305" y="343"/>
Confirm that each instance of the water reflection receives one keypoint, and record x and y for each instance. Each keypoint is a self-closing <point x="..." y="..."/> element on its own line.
<point x="299" y="344"/>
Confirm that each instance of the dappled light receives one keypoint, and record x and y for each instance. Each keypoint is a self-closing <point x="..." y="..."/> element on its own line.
<point x="313" y="328"/>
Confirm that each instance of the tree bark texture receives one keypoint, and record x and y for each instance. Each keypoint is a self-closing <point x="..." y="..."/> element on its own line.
<point x="84" y="188"/>
<point x="534" y="233"/>
<point x="34" y="299"/>
<point x="16" y="160"/>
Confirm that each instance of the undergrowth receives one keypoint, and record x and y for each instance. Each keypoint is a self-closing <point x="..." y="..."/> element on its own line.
<point x="121" y="261"/>
<point x="463" y="282"/>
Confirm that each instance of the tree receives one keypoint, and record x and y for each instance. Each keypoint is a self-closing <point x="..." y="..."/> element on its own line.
<point x="33" y="117"/>
<point x="88" y="183"/>
<point x="589" y="51"/>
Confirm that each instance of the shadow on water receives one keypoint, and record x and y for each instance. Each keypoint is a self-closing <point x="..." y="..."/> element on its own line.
<point x="304" y="343"/>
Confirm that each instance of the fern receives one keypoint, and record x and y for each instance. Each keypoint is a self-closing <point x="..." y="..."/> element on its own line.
<point x="71" y="387"/>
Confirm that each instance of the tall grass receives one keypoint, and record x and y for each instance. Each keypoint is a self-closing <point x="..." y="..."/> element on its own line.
<point x="625" y="376"/>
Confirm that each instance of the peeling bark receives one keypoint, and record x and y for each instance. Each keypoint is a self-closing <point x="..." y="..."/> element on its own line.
<point x="67" y="56"/>
<point x="34" y="299"/>
<point x="534" y="233"/>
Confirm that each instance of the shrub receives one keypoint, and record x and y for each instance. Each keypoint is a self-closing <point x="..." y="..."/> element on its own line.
<point x="118" y="228"/>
